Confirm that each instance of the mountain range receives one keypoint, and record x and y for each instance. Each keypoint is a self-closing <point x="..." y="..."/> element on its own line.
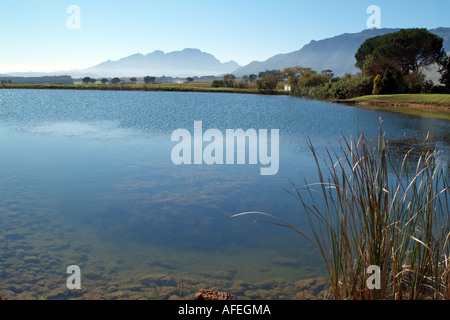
<point x="185" y="63"/>
<point x="336" y="54"/>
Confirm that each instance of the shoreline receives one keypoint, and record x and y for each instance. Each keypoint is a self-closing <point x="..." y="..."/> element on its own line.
<point x="416" y="106"/>
<point x="406" y="108"/>
<point x="142" y="88"/>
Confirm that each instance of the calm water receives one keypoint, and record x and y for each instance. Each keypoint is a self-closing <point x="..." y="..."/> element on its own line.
<point x="86" y="178"/>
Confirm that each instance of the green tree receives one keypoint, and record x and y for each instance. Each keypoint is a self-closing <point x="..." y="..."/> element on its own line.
<point x="189" y="79"/>
<point x="294" y="75"/>
<point x="115" y="81"/>
<point x="274" y="72"/>
<point x="228" y="80"/>
<point x="104" y="81"/>
<point x="312" y="79"/>
<point x="328" y="73"/>
<point x="86" y="80"/>
<point x="268" y="82"/>
<point x="445" y="71"/>
<point x="408" y="50"/>
<point x="252" y="78"/>
<point x="133" y="80"/>
<point x="149" y="79"/>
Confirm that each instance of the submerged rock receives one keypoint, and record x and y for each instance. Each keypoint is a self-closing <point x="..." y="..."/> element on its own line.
<point x="311" y="289"/>
<point x="213" y="294"/>
<point x="158" y="280"/>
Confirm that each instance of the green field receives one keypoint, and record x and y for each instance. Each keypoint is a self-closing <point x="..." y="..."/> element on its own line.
<point x="426" y="99"/>
<point x="399" y="103"/>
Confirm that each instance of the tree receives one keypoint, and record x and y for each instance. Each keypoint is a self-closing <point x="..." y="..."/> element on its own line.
<point x="149" y="79"/>
<point x="328" y="73"/>
<point x="415" y="81"/>
<point x="313" y="79"/>
<point x="445" y="71"/>
<point x="245" y="78"/>
<point x="408" y="50"/>
<point x="115" y="81"/>
<point x="268" y="82"/>
<point x="189" y="79"/>
<point x="133" y="80"/>
<point x="252" y="78"/>
<point x="294" y="75"/>
<point x="274" y="72"/>
<point x="228" y="80"/>
<point x="93" y="81"/>
<point x="104" y="81"/>
<point x="86" y="80"/>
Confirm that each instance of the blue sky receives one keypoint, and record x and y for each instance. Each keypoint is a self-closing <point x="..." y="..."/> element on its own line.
<point x="34" y="35"/>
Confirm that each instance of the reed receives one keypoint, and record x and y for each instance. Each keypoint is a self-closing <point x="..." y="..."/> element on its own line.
<point x="376" y="211"/>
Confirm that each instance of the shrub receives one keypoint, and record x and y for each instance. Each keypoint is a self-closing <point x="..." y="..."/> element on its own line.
<point x="218" y="84"/>
<point x="267" y="83"/>
<point x="414" y="81"/>
<point x="351" y="87"/>
<point x="377" y="85"/>
<point x="241" y="85"/>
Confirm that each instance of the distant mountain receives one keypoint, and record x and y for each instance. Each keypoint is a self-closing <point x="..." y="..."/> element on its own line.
<point x="337" y="53"/>
<point x="185" y="63"/>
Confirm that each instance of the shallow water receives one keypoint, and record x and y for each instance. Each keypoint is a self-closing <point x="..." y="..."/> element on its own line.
<point x="86" y="178"/>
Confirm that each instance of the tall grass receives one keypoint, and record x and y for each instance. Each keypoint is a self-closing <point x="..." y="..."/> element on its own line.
<point x="374" y="210"/>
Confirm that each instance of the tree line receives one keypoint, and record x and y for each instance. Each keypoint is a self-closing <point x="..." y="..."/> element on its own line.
<point x="388" y="64"/>
<point x="114" y="81"/>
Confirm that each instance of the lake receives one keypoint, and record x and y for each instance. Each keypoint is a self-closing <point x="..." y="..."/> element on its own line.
<point x="87" y="179"/>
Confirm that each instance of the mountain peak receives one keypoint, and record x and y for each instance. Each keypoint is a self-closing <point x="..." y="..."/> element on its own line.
<point x="184" y="63"/>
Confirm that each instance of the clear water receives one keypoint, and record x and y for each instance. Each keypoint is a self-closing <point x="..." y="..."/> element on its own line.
<point x="86" y="178"/>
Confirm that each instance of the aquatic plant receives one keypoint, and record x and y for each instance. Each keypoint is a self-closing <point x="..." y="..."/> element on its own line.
<point x="377" y="211"/>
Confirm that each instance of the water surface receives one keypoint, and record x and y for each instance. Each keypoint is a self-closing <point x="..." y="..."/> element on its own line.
<point x="86" y="178"/>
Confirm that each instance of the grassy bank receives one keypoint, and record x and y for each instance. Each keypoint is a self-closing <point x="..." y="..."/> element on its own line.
<point x="425" y="105"/>
<point x="441" y="100"/>
<point x="184" y="87"/>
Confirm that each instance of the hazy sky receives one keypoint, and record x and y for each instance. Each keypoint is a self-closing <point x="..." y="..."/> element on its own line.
<point x="34" y="35"/>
